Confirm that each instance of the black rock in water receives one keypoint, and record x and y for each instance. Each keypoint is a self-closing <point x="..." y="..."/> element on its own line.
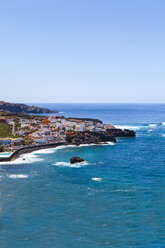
<point x="75" y="160"/>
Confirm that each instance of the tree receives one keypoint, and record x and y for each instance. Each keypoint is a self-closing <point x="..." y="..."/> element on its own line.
<point x="1" y="149"/>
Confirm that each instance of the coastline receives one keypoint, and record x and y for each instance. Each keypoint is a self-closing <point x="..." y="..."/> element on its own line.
<point x="77" y="139"/>
<point x="24" y="150"/>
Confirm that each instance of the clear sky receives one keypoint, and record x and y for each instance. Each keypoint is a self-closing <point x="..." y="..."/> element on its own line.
<point x="82" y="51"/>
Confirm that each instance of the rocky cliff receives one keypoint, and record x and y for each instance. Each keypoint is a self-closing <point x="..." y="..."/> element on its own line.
<point x="88" y="137"/>
<point x="22" y="108"/>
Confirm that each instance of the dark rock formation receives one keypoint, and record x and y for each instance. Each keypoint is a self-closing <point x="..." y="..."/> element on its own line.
<point x="121" y="132"/>
<point x="84" y="119"/>
<point x="88" y="137"/>
<point x="75" y="160"/>
<point x="23" y="108"/>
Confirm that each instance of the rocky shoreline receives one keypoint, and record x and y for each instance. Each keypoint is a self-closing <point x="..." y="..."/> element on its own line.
<point x="76" y="138"/>
<point x="88" y="137"/>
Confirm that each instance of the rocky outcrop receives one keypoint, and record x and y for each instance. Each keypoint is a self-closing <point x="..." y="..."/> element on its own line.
<point x="84" y="119"/>
<point x="121" y="132"/>
<point x="88" y="137"/>
<point x="75" y="160"/>
<point x="23" y="108"/>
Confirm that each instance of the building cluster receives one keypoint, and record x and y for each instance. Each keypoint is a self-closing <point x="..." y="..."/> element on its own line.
<point x="43" y="130"/>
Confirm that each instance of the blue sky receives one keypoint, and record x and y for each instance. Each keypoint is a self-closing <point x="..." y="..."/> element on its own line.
<point x="82" y="51"/>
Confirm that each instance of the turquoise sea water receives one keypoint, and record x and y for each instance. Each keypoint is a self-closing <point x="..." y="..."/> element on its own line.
<point x="115" y="199"/>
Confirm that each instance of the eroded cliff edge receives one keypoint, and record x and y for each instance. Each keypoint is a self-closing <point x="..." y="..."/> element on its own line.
<point x="88" y="137"/>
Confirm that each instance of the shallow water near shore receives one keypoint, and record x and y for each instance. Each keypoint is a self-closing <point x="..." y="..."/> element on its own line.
<point x="114" y="199"/>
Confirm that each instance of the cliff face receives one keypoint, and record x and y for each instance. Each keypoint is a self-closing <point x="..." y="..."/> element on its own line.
<point x="117" y="132"/>
<point x="98" y="137"/>
<point x="85" y="119"/>
<point x="22" y="108"/>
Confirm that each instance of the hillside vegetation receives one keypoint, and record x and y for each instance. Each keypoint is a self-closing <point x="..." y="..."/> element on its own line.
<point x="5" y="130"/>
<point x="23" y="108"/>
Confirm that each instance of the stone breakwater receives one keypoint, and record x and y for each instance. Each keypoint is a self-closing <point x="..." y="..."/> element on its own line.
<point x="76" y="138"/>
<point x="28" y="149"/>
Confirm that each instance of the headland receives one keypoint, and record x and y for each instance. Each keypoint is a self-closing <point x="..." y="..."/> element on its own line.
<point x="24" y="133"/>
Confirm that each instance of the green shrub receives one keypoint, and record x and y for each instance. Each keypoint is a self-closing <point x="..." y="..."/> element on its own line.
<point x="5" y="130"/>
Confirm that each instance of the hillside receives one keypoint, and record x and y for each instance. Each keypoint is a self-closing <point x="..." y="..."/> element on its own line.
<point x="5" y="130"/>
<point x="23" y="108"/>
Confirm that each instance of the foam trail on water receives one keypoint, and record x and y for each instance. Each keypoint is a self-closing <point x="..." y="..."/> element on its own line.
<point x="44" y="151"/>
<point x="14" y="176"/>
<point x="128" y="127"/>
<point x="153" y="125"/>
<point x="67" y="164"/>
<point x="99" y="179"/>
<point x="24" y="159"/>
<point x="83" y="145"/>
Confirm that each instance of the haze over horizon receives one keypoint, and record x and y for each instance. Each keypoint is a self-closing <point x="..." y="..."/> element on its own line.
<point x="82" y="51"/>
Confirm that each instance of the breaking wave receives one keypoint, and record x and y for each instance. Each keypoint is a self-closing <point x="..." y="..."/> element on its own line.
<point x="99" y="179"/>
<point x="128" y="127"/>
<point x="14" y="176"/>
<point x="67" y="164"/>
<point x="44" y="151"/>
<point x="24" y="159"/>
<point x="153" y="125"/>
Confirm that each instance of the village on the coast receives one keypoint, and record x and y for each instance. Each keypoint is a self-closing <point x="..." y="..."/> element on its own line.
<point x="36" y="130"/>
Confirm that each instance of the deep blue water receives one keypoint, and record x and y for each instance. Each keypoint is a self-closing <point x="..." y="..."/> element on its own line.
<point x="116" y="199"/>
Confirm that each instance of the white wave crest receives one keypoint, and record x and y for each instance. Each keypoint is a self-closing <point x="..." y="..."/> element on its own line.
<point x="67" y="164"/>
<point x="128" y="127"/>
<point x="63" y="147"/>
<point x="24" y="159"/>
<point x="163" y="135"/>
<point x="14" y="176"/>
<point x="99" y="179"/>
<point x="44" y="151"/>
<point x="163" y="123"/>
<point x="153" y="125"/>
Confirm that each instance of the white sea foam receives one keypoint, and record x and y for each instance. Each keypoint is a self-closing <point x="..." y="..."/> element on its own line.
<point x="67" y="164"/>
<point x="122" y="190"/>
<point x="153" y="125"/>
<point x="44" y="151"/>
<point x="96" y="179"/>
<point x="24" y="159"/>
<point x="83" y="145"/>
<point x="62" y="147"/>
<point x="110" y="143"/>
<point x="14" y="176"/>
<point x="163" y="135"/>
<point x="163" y="123"/>
<point x="128" y="127"/>
<point x="150" y="130"/>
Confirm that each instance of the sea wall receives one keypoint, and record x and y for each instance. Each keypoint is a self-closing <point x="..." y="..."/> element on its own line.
<point x="29" y="149"/>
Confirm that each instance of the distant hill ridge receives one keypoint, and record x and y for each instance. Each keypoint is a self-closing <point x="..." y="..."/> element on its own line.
<point x="23" y="108"/>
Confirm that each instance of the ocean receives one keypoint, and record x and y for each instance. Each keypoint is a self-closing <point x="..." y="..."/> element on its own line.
<point x="115" y="199"/>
